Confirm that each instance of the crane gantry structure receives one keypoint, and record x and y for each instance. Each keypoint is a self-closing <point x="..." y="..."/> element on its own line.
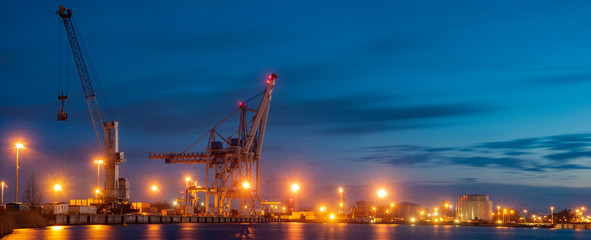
<point x="232" y="162"/>
<point x="116" y="191"/>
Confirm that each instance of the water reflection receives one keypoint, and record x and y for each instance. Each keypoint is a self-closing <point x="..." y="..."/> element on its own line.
<point x="246" y="232"/>
<point x="153" y="231"/>
<point x="291" y="231"/>
<point x="56" y="228"/>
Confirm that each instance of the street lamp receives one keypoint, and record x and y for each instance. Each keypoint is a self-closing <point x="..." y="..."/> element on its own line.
<point x="17" y="146"/>
<point x="96" y="193"/>
<point x="3" y="193"/>
<point x="552" y="210"/>
<point x="154" y="190"/>
<point x="98" y="172"/>
<point x="382" y="193"/>
<point x="187" y="179"/>
<point x="295" y="188"/>
<point x="56" y="188"/>
<point x="245" y="188"/>
<point x="341" y="200"/>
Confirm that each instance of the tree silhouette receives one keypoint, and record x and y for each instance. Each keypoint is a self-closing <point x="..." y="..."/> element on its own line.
<point x="564" y="216"/>
<point x="33" y="193"/>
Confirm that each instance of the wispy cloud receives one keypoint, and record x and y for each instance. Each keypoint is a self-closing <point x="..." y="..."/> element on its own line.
<point x="528" y="154"/>
<point x="359" y="114"/>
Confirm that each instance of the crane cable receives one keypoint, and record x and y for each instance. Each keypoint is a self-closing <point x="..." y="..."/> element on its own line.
<point x="109" y="113"/>
<point x="231" y="114"/>
<point x="62" y="78"/>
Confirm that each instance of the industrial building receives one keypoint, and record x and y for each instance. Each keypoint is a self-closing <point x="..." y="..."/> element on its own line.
<point x="406" y="211"/>
<point x="474" y="207"/>
<point x="363" y="209"/>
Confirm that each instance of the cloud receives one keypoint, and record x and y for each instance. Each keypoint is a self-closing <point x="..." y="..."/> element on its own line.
<point x="568" y="155"/>
<point x="359" y="114"/>
<point x="528" y="154"/>
<point x="512" y="144"/>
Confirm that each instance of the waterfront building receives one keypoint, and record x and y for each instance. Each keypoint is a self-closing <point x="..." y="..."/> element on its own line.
<point x="363" y="209"/>
<point x="406" y="211"/>
<point x="474" y="207"/>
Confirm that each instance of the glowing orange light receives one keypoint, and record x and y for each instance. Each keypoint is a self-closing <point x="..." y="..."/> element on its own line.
<point x="295" y="187"/>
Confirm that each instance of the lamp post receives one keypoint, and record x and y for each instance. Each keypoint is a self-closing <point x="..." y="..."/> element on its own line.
<point x="17" y="146"/>
<point x="381" y="194"/>
<point x="187" y="179"/>
<point x="552" y="211"/>
<point x="391" y="211"/>
<point x="56" y="188"/>
<point x="96" y="193"/>
<point x="98" y="172"/>
<point x="2" y="193"/>
<point x="295" y="188"/>
<point x="341" y="205"/>
<point x="246" y="187"/>
<point x="154" y="190"/>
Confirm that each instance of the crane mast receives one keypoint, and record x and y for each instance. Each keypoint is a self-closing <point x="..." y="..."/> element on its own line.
<point x="116" y="190"/>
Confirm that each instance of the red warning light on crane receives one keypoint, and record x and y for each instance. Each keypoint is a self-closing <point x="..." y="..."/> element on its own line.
<point x="271" y="77"/>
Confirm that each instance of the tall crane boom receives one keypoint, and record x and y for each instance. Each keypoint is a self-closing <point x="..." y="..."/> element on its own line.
<point x="95" y="113"/>
<point x="116" y="190"/>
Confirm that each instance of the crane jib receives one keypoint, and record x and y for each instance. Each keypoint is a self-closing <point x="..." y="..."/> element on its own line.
<point x="93" y="107"/>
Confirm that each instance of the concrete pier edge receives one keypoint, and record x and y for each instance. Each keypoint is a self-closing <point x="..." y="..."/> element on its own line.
<point x="86" y="219"/>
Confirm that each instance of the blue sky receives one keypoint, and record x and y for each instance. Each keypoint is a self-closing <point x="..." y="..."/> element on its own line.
<point x="428" y="99"/>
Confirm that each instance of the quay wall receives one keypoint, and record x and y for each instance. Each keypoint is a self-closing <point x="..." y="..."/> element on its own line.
<point x="573" y="226"/>
<point x="84" y="219"/>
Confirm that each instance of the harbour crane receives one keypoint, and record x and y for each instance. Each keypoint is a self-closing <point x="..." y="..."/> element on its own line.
<point x="232" y="163"/>
<point x="116" y="190"/>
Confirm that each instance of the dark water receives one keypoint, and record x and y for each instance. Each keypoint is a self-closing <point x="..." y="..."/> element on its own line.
<point x="291" y="231"/>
